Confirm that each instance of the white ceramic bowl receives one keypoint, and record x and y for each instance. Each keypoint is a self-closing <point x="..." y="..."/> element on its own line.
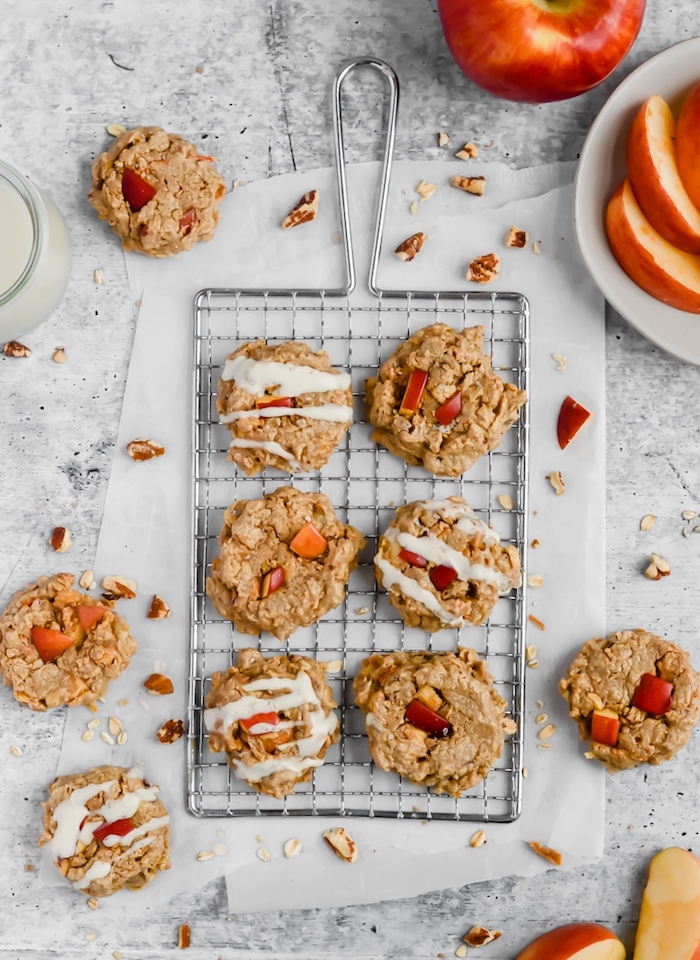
<point x="601" y="169"/>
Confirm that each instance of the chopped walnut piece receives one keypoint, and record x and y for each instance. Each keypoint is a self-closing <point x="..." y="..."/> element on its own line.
<point x="304" y="211"/>
<point x="547" y="853"/>
<point x="484" y="269"/>
<point x="516" y="238"/>
<point x="183" y="936"/>
<point x="557" y="481"/>
<point x="171" y="731"/>
<point x="425" y="190"/>
<point x="120" y="587"/>
<point x="478" y="936"/>
<point x="411" y="247"/>
<point x="473" y="185"/>
<point x="469" y="151"/>
<point x="59" y="355"/>
<point x="60" y="539"/>
<point x="443" y="138"/>
<point x="341" y="843"/>
<point x="658" y="568"/>
<point x="158" y="684"/>
<point x="144" y="449"/>
<point x="647" y="523"/>
<point x="159" y="609"/>
<point x="13" y="348"/>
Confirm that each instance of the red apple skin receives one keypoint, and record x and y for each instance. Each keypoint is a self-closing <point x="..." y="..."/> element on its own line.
<point x="655" y="179"/>
<point x="668" y="274"/>
<point x="688" y="144"/>
<point x="537" y="51"/>
<point x="565" y="942"/>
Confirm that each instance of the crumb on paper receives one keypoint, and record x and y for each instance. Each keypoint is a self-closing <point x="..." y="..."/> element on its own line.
<point x="205" y="855"/>
<point x="536" y="248"/>
<point x="60" y="539"/>
<point x="184" y="935"/>
<point x="92" y="903"/>
<point x="473" y="185"/>
<point x="200" y="68"/>
<point x="547" y="732"/>
<point x="410" y="248"/>
<point x="220" y="849"/>
<point x="292" y="848"/>
<point x="341" y="843"/>
<point x="59" y="355"/>
<point x="87" y="581"/>
<point x="560" y="361"/>
<point x="647" y="522"/>
<point x="263" y="854"/>
<point x="535" y="544"/>
<point x="144" y="449"/>
<point x="547" y="853"/>
<point x="171" y="731"/>
<point x="461" y="951"/>
<point x="425" y="190"/>
<point x="121" y="587"/>
<point x="16" y="751"/>
<point x="334" y="666"/>
<point x="479" y="936"/>
<point x="159" y="609"/>
<point x="525" y="772"/>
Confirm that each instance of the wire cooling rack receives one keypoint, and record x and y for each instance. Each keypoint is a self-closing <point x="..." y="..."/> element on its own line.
<point x="365" y="483"/>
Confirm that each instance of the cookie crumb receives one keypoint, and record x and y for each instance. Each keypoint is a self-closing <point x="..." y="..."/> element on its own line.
<point x="59" y="355"/>
<point x="560" y="361"/>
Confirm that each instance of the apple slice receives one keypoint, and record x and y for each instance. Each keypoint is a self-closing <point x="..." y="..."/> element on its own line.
<point x="50" y="644"/>
<point x="309" y="543"/>
<point x="688" y="144"/>
<point x="413" y="558"/>
<point x="450" y="410"/>
<point x="668" y="274"/>
<point x="656" y="182"/>
<point x="576" y="941"/>
<point x="273" y="402"/>
<point x="89" y="616"/>
<point x="572" y="417"/>
<point x="119" y="828"/>
<point x="669" y="922"/>
<point x="442" y="576"/>
<point x="653" y="695"/>
<point x="272" y="581"/>
<point x="249" y="722"/>
<point x="421" y="716"/>
<point x="605" y="727"/>
<point x="413" y="393"/>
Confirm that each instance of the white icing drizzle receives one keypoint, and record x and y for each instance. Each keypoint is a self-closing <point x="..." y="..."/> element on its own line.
<point x="69" y="814"/>
<point x="410" y="588"/>
<point x="438" y="552"/>
<point x="270" y="446"/>
<point x="153" y="824"/>
<point x="139" y="845"/>
<point x="265" y="768"/>
<point x="97" y="871"/>
<point x="465" y="517"/>
<point x="258" y="729"/>
<point x="371" y="721"/>
<point x="322" y="726"/>
<point x="332" y="412"/>
<point x="121" y="809"/>
<point x="288" y="379"/>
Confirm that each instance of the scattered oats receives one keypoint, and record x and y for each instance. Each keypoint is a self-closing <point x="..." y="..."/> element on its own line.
<point x="414" y="207"/>
<point x="88" y="735"/>
<point x="334" y="666"/>
<point x="658" y="568"/>
<point x="547" y="732"/>
<point x="115" y="129"/>
<point x="292" y="848"/>
<point x="91" y="936"/>
<point x="16" y="751"/>
<point x="443" y="138"/>
<point x="553" y="856"/>
<point x="505" y="501"/>
<point x="686" y="532"/>
<point x="530" y="651"/>
<point x="59" y="355"/>
<point x="560" y="361"/>
<point x="536" y="248"/>
<point x="123" y="703"/>
<point x="114" y="726"/>
<point x="478" y="839"/>
<point x="220" y="849"/>
<point x="220" y="834"/>
<point x="263" y="854"/>
<point x="92" y="903"/>
<point x="696" y="529"/>
<point x="540" y="703"/>
<point x="541" y="718"/>
<point x="205" y="855"/>
<point x="557" y="481"/>
<point x="534" y="664"/>
<point x="647" y="522"/>
<point x="535" y="544"/>
<point x="425" y="190"/>
<point x="535" y="580"/>
<point x="87" y="581"/>
<point x="538" y="623"/>
<point x="461" y="951"/>
<point x="107" y="739"/>
<point x="478" y="936"/>
<point x="469" y="151"/>
<point x="361" y="611"/>
<point x="92" y="707"/>
<point x="525" y="772"/>
<point x="117" y="955"/>
<point x="98" y="276"/>
<point x="589" y="756"/>
<point x="259" y="837"/>
<point x="122" y="738"/>
<point x="688" y="514"/>
<point x="145" y="706"/>
<point x="544" y="746"/>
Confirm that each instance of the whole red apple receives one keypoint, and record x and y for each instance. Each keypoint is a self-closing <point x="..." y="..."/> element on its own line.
<point x="539" y="50"/>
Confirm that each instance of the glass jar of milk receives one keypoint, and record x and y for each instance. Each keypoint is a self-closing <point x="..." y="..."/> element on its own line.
<point x="35" y="255"/>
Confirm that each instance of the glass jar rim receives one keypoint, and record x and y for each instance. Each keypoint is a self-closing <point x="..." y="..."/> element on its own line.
<point x="32" y="199"/>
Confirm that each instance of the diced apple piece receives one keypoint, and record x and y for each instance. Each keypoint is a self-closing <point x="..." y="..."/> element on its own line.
<point x="89" y="616"/>
<point x="656" y="182"/>
<point x="413" y="558"/>
<point x="427" y="720"/>
<point x="271" y="718"/>
<point x="605" y="727"/>
<point x="413" y="393"/>
<point x="50" y="644"/>
<point x="572" y="417"/>
<point x="119" y="828"/>
<point x="668" y="274"/>
<point x="450" y="410"/>
<point x="273" y="402"/>
<point x="442" y="576"/>
<point x="137" y="191"/>
<point x="653" y="695"/>
<point x="272" y="581"/>
<point x="576" y="941"/>
<point x="669" y="922"/>
<point x="309" y="543"/>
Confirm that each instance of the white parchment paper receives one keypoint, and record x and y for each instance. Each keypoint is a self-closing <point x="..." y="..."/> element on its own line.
<point x="145" y="532"/>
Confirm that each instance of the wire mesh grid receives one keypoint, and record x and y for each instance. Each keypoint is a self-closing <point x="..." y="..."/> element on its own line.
<point x="365" y="484"/>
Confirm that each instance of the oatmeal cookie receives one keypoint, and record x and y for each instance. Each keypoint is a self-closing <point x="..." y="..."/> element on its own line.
<point x="285" y="406"/>
<point x="61" y="647"/>
<point x="273" y="718"/>
<point x="159" y="195"/>
<point x="283" y="562"/>
<point x="443" y="567"/>
<point x="637" y="693"/>
<point x="435" y="718"/>
<point x="437" y="401"/>
<point x="106" y="829"/>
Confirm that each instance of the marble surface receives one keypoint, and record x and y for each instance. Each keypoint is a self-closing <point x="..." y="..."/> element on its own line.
<point x="261" y="105"/>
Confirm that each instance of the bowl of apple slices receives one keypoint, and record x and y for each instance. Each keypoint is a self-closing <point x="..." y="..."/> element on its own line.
<point x="637" y="200"/>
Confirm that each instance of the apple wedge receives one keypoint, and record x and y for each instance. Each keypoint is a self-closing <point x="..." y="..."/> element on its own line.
<point x="688" y="144"/>
<point x="668" y="274"/>
<point x="576" y="941"/>
<point x="653" y="173"/>
<point x="669" y="922"/>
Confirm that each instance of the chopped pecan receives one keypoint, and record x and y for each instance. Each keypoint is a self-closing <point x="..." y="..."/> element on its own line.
<point x="159" y="609"/>
<point x="59" y="355"/>
<point x="658" y="568"/>
<point x="171" y="731"/>
<point x="120" y="587"/>
<point x="557" y="481"/>
<point x="60" y="539"/>
<point x="341" y="843"/>
<point x="425" y="190"/>
<point x="183" y="936"/>
<point x="516" y="238"/>
<point x="469" y="151"/>
<point x="411" y="247"/>
<point x="473" y="185"/>
<point x="144" y="449"/>
<point x="484" y="269"/>
<point x="158" y="684"/>
<point x="304" y="211"/>
<point x="13" y="348"/>
<point x="478" y="936"/>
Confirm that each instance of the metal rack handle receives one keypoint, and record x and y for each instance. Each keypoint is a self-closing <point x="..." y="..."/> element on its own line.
<point x="340" y="163"/>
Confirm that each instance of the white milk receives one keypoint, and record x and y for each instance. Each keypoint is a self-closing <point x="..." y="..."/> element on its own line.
<point x="35" y="255"/>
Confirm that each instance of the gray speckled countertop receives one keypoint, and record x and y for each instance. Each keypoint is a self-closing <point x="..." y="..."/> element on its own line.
<point x="261" y="105"/>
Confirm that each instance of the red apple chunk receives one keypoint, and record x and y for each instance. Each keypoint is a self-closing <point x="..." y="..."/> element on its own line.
<point x="309" y="543"/>
<point x="137" y="191"/>
<point x="272" y="581"/>
<point x="273" y="402"/>
<point x="89" y="616"/>
<point x="653" y="695"/>
<point x="418" y="715"/>
<point x="413" y="393"/>
<point x="442" y="577"/>
<point x="450" y="410"/>
<point x="572" y="417"/>
<point x="119" y="828"/>
<point x="605" y="727"/>
<point x="50" y="644"/>
<point x="413" y="558"/>
<point x="271" y="718"/>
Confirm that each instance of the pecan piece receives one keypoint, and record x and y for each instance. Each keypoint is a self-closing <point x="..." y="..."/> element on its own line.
<point x="304" y="211"/>
<point x="341" y="843"/>
<point x="183" y="936"/>
<point x="411" y="247"/>
<point x="473" y="185"/>
<point x="158" y="684"/>
<point x="59" y="355"/>
<point x="13" y="348"/>
<point x="478" y="936"/>
<point x="171" y="731"/>
<point x="658" y="568"/>
<point x="144" y="449"/>
<point x="159" y="609"/>
<point x="516" y="238"/>
<point x="469" y="151"/>
<point x="547" y="853"/>
<point x="119" y="587"/>
<point x="60" y="539"/>
<point x="484" y="269"/>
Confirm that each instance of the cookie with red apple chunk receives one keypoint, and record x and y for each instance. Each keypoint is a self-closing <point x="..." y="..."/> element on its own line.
<point x="156" y="191"/>
<point x="443" y="567"/>
<point x="435" y="718"/>
<point x="635" y="696"/>
<point x="60" y="647"/>
<point x="286" y="406"/>
<point x="436" y="402"/>
<point x="283" y="562"/>
<point x="106" y="829"/>
<point x="273" y="718"/>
